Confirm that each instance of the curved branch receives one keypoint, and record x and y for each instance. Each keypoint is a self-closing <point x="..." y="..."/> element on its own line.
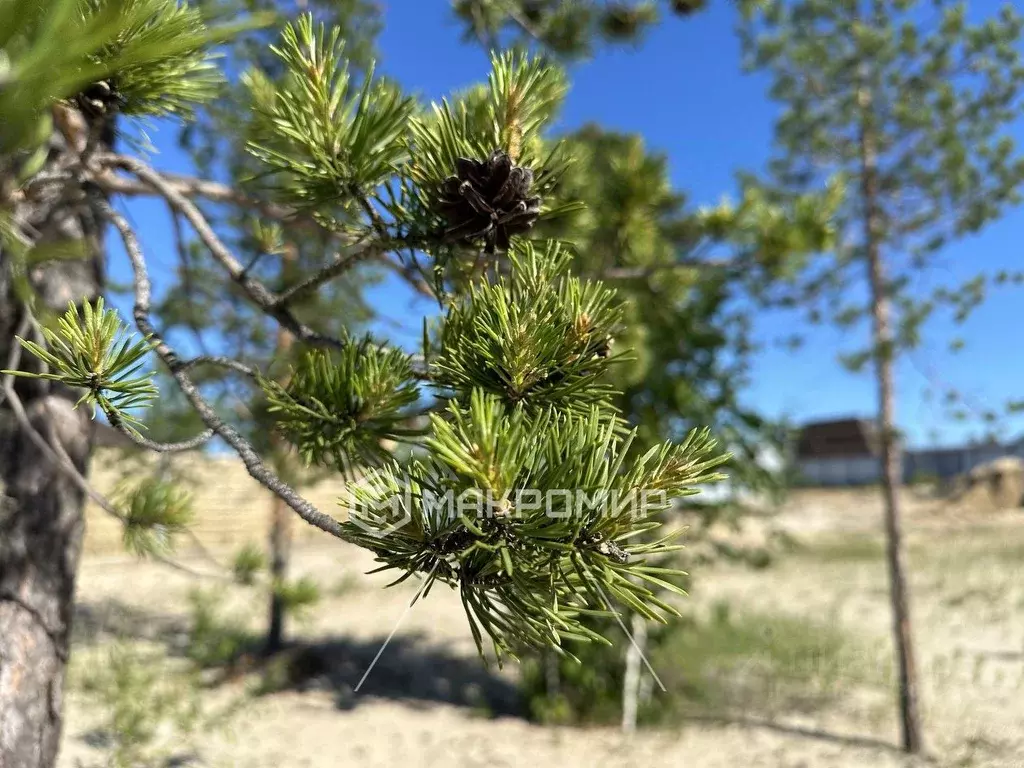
<point x="257" y="469"/>
<point x="189" y="186"/>
<point x="222" y="362"/>
<point x="153" y="445"/>
<point x="258" y="293"/>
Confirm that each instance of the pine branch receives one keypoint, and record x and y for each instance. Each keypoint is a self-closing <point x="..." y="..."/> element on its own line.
<point x="221" y="362"/>
<point x="187" y="186"/>
<point x="91" y="352"/>
<point x="153" y="445"/>
<point x="256" y="467"/>
<point x="325" y="144"/>
<point x="55" y="453"/>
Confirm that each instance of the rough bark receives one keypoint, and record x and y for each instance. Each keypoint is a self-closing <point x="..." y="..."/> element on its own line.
<point x="883" y="343"/>
<point x="41" y="520"/>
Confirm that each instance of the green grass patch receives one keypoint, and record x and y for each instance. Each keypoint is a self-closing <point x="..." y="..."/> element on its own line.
<point x="756" y="663"/>
<point x="850" y="548"/>
<point x="216" y="641"/>
<point x="721" y="664"/>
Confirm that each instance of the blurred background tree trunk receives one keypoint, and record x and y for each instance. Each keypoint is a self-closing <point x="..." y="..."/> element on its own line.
<point x="280" y="538"/>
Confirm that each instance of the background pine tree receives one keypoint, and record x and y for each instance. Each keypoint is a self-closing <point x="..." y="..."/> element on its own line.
<point x="911" y="105"/>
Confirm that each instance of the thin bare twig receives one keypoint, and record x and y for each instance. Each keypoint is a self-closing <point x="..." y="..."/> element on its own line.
<point x="222" y="362"/>
<point x="524" y="25"/>
<point x="153" y="445"/>
<point x="412" y="276"/>
<point x="188" y="186"/>
<point x="257" y="292"/>
<point x="337" y="267"/>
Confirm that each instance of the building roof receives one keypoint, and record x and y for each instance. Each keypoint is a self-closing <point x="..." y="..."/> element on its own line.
<point x="837" y="438"/>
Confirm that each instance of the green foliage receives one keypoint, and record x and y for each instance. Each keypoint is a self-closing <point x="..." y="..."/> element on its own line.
<point x="144" y="698"/>
<point x="536" y="336"/>
<point x="155" y="511"/>
<point x="248" y="562"/>
<point x="567" y="28"/>
<point x="159" y="60"/>
<point x="917" y="107"/>
<point x="153" y="49"/>
<point x="531" y="563"/>
<point x="339" y="408"/>
<point x="522" y="98"/>
<point x="298" y="596"/>
<point x="331" y="144"/>
<point x="759" y="661"/>
<point x="213" y="640"/>
<point x="95" y="351"/>
<point x="753" y="663"/>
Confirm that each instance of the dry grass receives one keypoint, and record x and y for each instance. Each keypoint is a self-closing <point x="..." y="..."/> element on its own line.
<point x="423" y="704"/>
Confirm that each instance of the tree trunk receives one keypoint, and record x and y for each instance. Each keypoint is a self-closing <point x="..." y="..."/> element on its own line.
<point x="41" y="521"/>
<point x="884" y="351"/>
<point x="280" y="551"/>
<point x="631" y="682"/>
<point x="280" y="539"/>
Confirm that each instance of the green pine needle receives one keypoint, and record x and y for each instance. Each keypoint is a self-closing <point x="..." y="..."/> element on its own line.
<point x="338" y="410"/>
<point x="529" y="555"/>
<point x="537" y="335"/>
<point x="155" y="511"/>
<point x="96" y="352"/>
<point x="325" y="139"/>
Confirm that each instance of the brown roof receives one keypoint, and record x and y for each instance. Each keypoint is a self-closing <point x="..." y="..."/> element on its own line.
<point x="837" y="438"/>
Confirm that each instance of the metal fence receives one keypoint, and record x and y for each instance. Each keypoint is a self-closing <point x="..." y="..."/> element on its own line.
<point x="839" y="470"/>
<point x="940" y="464"/>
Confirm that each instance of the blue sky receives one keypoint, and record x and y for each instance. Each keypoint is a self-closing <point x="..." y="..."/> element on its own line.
<point x="683" y="90"/>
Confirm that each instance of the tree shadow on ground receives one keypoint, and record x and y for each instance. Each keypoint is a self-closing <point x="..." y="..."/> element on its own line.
<point x="410" y="669"/>
<point x="860" y="742"/>
<point x="108" y="620"/>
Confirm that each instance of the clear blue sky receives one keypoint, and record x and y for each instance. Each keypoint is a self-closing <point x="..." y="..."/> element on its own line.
<point x="683" y="90"/>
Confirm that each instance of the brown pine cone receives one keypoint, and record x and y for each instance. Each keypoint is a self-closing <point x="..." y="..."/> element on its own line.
<point x="488" y="199"/>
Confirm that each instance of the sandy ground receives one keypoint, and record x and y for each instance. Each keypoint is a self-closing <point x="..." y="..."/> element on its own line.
<point x="430" y="701"/>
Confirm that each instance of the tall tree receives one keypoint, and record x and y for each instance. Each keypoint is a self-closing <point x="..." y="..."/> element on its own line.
<point x="911" y="104"/>
<point x="57" y="103"/>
